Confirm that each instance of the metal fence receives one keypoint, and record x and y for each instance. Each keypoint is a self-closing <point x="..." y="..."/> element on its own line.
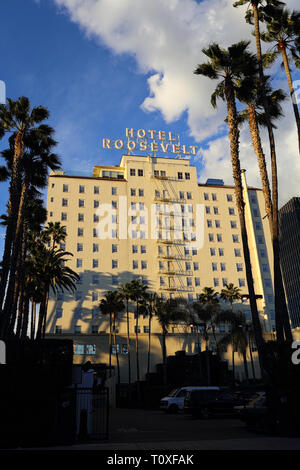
<point x="92" y="411"/>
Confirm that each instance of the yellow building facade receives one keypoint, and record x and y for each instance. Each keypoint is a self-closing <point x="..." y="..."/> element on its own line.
<point x="150" y="219"/>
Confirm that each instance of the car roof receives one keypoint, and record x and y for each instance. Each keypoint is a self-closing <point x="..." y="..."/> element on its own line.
<point x="199" y="388"/>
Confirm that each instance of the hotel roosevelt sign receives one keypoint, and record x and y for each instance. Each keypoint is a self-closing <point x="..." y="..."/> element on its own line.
<point x="150" y="140"/>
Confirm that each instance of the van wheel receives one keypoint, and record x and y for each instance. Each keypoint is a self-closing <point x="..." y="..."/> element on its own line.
<point x="173" y="409"/>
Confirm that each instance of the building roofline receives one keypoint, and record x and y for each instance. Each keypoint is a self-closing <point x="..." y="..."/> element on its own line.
<point x="226" y="186"/>
<point x="89" y="177"/>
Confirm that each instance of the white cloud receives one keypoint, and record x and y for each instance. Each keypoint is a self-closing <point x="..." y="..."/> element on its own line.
<point x="166" y="39"/>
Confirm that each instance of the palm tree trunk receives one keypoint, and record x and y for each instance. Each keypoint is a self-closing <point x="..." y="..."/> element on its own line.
<point x="110" y="345"/>
<point x="45" y="314"/>
<point x="128" y="345"/>
<point x="41" y="317"/>
<point x="25" y="318"/>
<point x="149" y="344"/>
<point x="251" y="359"/>
<point x="234" y="150"/>
<point x="116" y="349"/>
<point x="207" y="363"/>
<point x="282" y="49"/>
<point x="281" y="313"/>
<point x="164" y="352"/>
<point x="233" y="366"/>
<point x="245" y="367"/>
<point x="137" y="344"/>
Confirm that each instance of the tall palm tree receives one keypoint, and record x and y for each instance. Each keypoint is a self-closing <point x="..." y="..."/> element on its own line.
<point x="230" y="293"/>
<point x="112" y="304"/>
<point x="283" y="29"/>
<point x="254" y="15"/>
<point x="150" y="305"/>
<point x="28" y="136"/>
<point x="231" y="65"/>
<point x="168" y="312"/>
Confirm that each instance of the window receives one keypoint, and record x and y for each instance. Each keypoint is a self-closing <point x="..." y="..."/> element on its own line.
<point x="63" y="216"/>
<point x="134" y="248"/>
<point x="211" y="237"/>
<point x="65" y="188"/>
<point x="81" y="189"/>
<point x="233" y="224"/>
<point x="235" y="238"/>
<point x="196" y="266"/>
<point x="114" y="233"/>
<point x="96" y="189"/>
<point x="51" y="214"/>
<point x="223" y="266"/>
<point x="79" y="247"/>
<point x="135" y="265"/>
<point x="163" y="173"/>
<point x="268" y="283"/>
<point x="219" y="237"/>
<point x="95" y="279"/>
<point x="265" y="268"/>
<point x="95" y="247"/>
<point x="224" y="281"/>
<point x="77" y="331"/>
<point x="239" y="267"/>
<point x="80" y="217"/>
<point x="216" y="282"/>
<point x="137" y="329"/>
<point x="209" y="223"/>
<point x="62" y="246"/>
<point x="96" y="218"/>
<point x="94" y="296"/>
<point x="132" y="192"/>
<point x="207" y="209"/>
<point x="132" y="172"/>
<point x="217" y="224"/>
<point x="79" y="281"/>
<point x="206" y="197"/>
<point x="52" y="185"/>
<point x="237" y="252"/>
<point x="58" y="313"/>
<point x="114" y="204"/>
<point x="64" y="202"/>
<point x="58" y="330"/>
<point x="189" y="281"/>
<point x="114" y="264"/>
<point x="95" y="329"/>
<point x="113" y="191"/>
<point x="78" y="313"/>
<point x="255" y="213"/>
<point x="270" y="299"/>
<point x="187" y="176"/>
<point x="141" y="206"/>
<point x="144" y="264"/>
<point x="187" y="266"/>
<point x="143" y="249"/>
<point x="189" y="195"/>
<point x="114" y="280"/>
<point x="212" y="252"/>
<point x="216" y="210"/>
<point x="78" y="295"/>
<point x="229" y="197"/>
<point x="181" y="195"/>
<point x="114" y="248"/>
<point x="95" y="263"/>
<point x="140" y="172"/>
<point x="214" y="266"/>
<point x="60" y="296"/>
<point x="80" y="202"/>
<point x="257" y="226"/>
<point x="80" y="232"/>
<point x="260" y="240"/>
<point x="156" y="173"/>
<point x="197" y="281"/>
<point x="79" y="263"/>
<point x="214" y="196"/>
<point x="141" y="192"/>
<point x="146" y="329"/>
<point x="253" y="199"/>
<point x="242" y="283"/>
<point x="78" y="348"/>
<point x="161" y="281"/>
<point x="179" y="175"/>
<point x="262" y="253"/>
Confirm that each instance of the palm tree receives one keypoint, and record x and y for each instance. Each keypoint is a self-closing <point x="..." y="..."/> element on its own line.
<point x="230" y="293"/>
<point x="283" y="29"/>
<point x="238" y="338"/>
<point x="150" y="305"/>
<point x="229" y="66"/>
<point x="57" y="232"/>
<point x="126" y="294"/>
<point x="51" y="272"/>
<point x="168" y="312"/>
<point x="111" y="305"/>
<point x="28" y="137"/>
<point x="255" y="15"/>
<point x="138" y="294"/>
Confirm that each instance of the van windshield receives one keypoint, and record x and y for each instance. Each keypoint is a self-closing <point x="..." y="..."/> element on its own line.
<point x="173" y="392"/>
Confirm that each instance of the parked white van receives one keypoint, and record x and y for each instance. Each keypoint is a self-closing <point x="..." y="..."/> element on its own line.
<point x="174" y="401"/>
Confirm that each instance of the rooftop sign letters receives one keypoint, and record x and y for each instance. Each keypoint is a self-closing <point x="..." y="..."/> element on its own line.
<point x="153" y="141"/>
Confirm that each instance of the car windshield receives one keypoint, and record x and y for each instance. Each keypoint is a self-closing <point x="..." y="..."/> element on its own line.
<point x="257" y="401"/>
<point x="173" y="392"/>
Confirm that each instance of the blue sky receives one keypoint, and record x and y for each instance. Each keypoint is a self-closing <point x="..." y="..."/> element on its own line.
<point x="103" y="65"/>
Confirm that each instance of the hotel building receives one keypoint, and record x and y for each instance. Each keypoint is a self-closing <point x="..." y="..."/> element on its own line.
<point x="153" y="209"/>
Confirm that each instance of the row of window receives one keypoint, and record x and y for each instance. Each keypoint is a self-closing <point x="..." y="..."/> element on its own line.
<point x="189" y="282"/>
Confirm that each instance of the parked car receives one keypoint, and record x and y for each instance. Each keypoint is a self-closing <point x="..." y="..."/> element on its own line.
<point x="174" y="401"/>
<point x="254" y="412"/>
<point x="208" y="402"/>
